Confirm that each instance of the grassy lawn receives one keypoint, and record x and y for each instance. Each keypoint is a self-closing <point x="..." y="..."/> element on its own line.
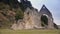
<point x="7" y="31"/>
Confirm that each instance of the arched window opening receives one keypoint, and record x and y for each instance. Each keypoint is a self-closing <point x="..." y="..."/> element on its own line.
<point x="44" y="21"/>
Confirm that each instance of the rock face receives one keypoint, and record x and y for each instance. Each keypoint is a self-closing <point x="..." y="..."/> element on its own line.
<point x="37" y="20"/>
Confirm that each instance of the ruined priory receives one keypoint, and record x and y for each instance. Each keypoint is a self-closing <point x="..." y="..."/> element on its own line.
<point x="34" y="19"/>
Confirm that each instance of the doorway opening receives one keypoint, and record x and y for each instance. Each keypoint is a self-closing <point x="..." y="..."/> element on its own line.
<point x="44" y="21"/>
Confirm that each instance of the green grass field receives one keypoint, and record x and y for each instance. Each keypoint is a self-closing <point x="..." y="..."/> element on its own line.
<point x="7" y="31"/>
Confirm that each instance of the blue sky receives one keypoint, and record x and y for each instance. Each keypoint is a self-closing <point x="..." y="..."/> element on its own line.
<point x="52" y="5"/>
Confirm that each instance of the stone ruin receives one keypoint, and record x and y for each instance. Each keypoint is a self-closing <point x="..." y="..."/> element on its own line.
<point x="34" y="19"/>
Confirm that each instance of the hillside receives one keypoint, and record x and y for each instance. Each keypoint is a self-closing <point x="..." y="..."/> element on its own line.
<point x="11" y="11"/>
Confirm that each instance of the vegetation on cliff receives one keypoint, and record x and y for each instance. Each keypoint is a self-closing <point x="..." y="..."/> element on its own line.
<point x="10" y="11"/>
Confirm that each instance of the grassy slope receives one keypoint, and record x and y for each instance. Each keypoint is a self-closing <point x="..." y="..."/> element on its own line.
<point x="7" y="31"/>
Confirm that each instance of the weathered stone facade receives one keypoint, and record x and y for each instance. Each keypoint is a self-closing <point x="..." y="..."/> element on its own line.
<point x="33" y="19"/>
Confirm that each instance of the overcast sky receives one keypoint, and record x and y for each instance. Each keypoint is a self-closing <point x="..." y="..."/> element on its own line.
<point x="52" y="5"/>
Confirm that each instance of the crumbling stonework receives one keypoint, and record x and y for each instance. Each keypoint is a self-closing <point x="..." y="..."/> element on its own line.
<point x="32" y="19"/>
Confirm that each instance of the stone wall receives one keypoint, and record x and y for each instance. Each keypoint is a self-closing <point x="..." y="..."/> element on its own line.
<point x="32" y="19"/>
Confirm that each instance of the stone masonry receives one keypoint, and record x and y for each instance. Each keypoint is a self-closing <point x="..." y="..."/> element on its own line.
<point x="32" y="19"/>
